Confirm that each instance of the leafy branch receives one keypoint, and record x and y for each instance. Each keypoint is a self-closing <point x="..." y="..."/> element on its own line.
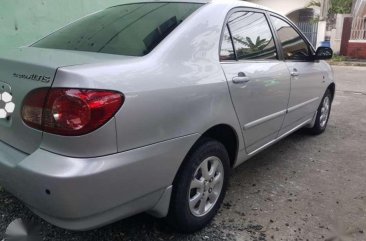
<point x="259" y="45"/>
<point x="314" y="3"/>
<point x="340" y="6"/>
<point x="336" y="6"/>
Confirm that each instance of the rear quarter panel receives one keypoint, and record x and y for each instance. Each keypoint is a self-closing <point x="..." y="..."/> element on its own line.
<point x="177" y="90"/>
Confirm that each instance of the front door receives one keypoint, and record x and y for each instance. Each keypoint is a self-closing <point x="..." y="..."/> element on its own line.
<point x="306" y="75"/>
<point x="259" y="83"/>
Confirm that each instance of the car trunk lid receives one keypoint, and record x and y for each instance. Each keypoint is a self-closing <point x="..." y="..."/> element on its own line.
<point x="23" y="70"/>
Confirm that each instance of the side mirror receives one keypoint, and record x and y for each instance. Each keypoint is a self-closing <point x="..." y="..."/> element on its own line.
<point x="323" y="53"/>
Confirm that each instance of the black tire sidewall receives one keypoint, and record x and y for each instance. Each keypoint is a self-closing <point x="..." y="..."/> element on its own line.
<point x="180" y="216"/>
<point x="318" y="129"/>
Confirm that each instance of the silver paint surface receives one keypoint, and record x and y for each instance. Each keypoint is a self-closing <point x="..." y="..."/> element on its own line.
<point x="173" y="96"/>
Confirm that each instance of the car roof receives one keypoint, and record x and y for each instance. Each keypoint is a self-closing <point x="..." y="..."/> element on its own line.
<point x="234" y="3"/>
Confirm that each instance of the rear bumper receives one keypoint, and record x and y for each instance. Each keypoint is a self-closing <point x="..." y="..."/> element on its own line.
<point x="81" y="194"/>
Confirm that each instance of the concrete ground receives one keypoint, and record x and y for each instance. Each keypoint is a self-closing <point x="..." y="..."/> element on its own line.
<point x="303" y="188"/>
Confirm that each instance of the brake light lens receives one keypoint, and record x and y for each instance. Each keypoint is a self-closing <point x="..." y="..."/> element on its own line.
<point x="70" y="112"/>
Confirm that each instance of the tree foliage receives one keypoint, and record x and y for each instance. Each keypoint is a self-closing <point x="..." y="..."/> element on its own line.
<point x="259" y="44"/>
<point x="314" y="3"/>
<point x="336" y="6"/>
<point x="340" y="6"/>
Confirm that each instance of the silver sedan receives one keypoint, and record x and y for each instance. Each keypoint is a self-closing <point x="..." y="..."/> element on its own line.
<point x="146" y="106"/>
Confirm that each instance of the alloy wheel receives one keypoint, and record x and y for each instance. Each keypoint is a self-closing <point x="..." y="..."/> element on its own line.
<point x="206" y="186"/>
<point x="324" y="115"/>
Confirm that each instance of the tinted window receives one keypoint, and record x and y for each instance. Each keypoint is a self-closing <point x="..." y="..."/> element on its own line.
<point x="134" y="29"/>
<point x="227" y="49"/>
<point x="252" y="36"/>
<point x="294" y="46"/>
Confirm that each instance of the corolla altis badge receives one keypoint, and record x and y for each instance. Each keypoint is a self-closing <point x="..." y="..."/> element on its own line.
<point x="35" y="77"/>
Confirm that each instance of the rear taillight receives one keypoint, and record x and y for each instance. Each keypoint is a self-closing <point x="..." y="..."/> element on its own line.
<point x="70" y="112"/>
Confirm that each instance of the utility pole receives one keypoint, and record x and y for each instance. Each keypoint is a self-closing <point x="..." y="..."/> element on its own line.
<point x="325" y="5"/>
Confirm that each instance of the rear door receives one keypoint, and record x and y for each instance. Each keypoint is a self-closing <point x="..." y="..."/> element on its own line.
<point x="259" y="82"/>
<point x="307" y="75"/>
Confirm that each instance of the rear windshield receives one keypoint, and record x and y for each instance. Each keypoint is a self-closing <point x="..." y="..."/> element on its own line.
<point x="133" y="29"/>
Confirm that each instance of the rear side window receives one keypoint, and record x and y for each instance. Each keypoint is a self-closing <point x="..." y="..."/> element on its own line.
<point x="227" y="48"/>
<point x="133" y="29"/>
<point x="252" y="36"/>
<point x="294" y="46"/>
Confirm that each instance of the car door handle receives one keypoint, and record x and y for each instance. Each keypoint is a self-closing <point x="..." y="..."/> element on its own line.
<point x="294" y="73"/>
<point x="241" y="79"/>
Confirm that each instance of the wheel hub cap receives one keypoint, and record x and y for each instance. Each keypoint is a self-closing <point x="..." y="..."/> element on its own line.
<point x="206" y="186"/>
<point x="324" y="114"/>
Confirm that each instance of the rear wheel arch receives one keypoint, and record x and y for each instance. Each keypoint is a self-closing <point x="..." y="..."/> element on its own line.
<point x="224" y="134"/>
<point x="228" y="137"/>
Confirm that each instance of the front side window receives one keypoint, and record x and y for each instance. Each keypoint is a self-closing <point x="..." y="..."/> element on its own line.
<point x="132" y="29"/>
<point x="252" y="36"/>
<point x="294" y="46"/>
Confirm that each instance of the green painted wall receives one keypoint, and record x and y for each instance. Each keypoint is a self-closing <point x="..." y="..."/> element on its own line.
<point x="25" y="21"/>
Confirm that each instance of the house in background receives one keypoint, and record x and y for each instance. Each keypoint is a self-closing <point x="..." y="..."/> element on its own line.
<point x="312" y="21"/>
<point x="354" y="32"/>
<point x="347" y="34"/>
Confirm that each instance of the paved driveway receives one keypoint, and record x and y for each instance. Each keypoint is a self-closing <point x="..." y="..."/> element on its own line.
<point x="303" y="188"/>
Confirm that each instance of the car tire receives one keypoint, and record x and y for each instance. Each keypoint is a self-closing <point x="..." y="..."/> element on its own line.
<point x="199" y="187"/>
<point x="323" y="114"/>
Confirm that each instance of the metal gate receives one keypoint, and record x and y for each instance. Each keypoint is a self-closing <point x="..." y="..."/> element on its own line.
<point x="310" y="30"/>
<point x="358" y="31"/>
